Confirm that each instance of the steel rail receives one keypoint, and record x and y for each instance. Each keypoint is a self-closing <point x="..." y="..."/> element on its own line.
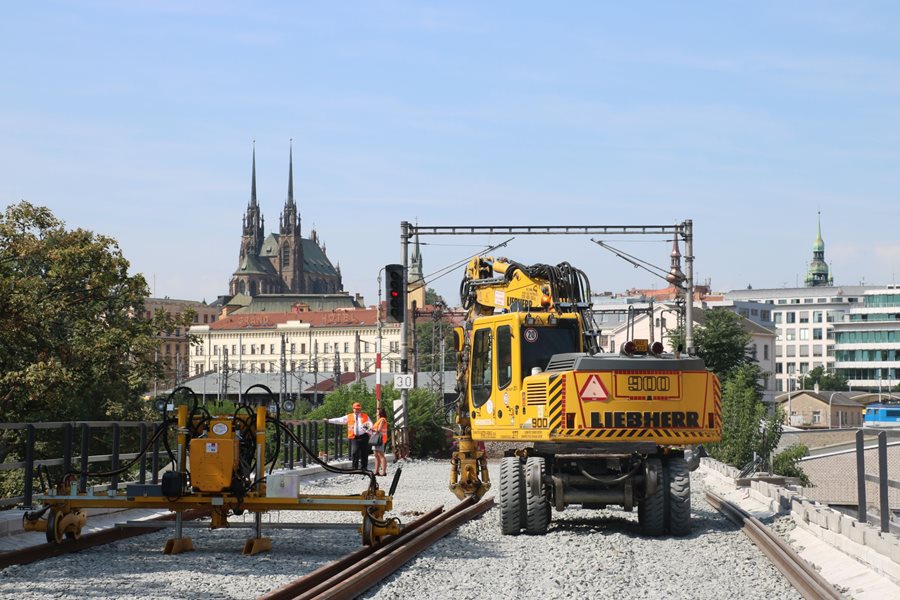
<point x="801" y="575"/>
<point x="350" y="576"/>
<point x="89" y="540"/>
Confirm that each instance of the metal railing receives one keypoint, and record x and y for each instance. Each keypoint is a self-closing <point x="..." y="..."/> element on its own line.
<point x="881" y="479"/>
<point x="78" y="439"/>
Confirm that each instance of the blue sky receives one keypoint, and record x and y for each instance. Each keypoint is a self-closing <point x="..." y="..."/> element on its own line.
<point x="135" y="120"/>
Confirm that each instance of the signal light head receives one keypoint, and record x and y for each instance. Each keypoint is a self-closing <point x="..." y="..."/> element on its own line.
<point x="657" y="348"/>
<point x="628" y="348"/>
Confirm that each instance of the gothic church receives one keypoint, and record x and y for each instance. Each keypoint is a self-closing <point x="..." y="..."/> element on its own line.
<point x="283" y="262"/>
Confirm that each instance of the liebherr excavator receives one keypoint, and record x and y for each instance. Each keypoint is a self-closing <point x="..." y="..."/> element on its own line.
<point x="583" y="427"/>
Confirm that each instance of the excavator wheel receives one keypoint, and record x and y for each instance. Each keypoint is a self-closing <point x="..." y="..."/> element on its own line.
<point x="652" y="509"/>
<point x="679" y="492"/>
<point x="512" y="495"/>
<point x="537" y="508"/>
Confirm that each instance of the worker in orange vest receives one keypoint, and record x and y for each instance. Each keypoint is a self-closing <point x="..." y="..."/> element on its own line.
<point x="358" y="426"/>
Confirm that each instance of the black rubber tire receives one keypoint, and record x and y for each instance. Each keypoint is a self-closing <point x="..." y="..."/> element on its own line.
<point x="679" y="497"/>
<point x="652" y="509"/>
<point x="512" y="495"/>
<point x="537" y="509"/>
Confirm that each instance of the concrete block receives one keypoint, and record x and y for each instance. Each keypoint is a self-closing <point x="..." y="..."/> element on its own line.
<point x="834" y="521"/>
<point x="894" y="552"/>
<point x="856" y="532"/>
<point x="876" y="541"/>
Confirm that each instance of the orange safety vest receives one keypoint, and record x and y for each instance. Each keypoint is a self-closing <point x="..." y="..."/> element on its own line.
<point x="381" y="425"/>
<point x="351" y="423"/>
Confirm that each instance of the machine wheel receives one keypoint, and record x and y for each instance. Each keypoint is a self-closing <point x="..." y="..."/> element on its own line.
<point x="679" y="478"/>
<point x="537" y="509"/>
<point x="652" y="510"/>
<point x="54" y="532"/>
<point x="512" y="494"/>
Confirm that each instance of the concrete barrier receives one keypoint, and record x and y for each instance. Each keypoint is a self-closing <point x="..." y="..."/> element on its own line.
<point x="862" y="542"/>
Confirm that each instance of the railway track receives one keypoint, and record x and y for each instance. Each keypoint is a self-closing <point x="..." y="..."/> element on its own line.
<point x="90" y="540"/>
<point x="800" y="573"/>
<point x="355" y="573"/>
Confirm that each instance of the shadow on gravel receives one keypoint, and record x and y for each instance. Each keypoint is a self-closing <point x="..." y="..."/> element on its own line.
<point x="614" y="524"/>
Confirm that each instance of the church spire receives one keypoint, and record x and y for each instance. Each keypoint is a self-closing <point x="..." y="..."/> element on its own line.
<point x="818" y="272"/>
<point x="290" y="198"/>
<point x="253" y="178"/>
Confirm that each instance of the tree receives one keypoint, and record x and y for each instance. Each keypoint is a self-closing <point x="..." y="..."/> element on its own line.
<point x="720" y="341"/>
<point x="834" y="382"/>
<point x="73" y="341"/>
<point x="746" y="428"/>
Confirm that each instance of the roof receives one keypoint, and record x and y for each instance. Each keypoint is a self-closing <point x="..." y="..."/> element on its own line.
<point x="314" y="260"/>
<point x="270" y="320"/>
<point x="277" y="303"/>
<point x="826" y="397"/>
<point x="252" y="264"/>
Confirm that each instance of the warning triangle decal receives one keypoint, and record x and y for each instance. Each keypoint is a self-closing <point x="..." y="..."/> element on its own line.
<point x="593" y="389"/>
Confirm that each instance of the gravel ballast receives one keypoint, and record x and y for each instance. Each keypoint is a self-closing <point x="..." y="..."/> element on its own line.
<point x="596" y="552"/>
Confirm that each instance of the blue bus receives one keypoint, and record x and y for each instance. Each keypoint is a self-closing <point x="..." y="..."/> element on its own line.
<point x="882" y="415"/>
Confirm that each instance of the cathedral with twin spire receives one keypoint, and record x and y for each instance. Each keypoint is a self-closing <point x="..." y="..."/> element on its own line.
<point x="283" y="262"/>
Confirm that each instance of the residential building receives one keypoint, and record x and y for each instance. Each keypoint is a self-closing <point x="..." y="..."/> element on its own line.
<point x="825" y="409"/>
<point x="867" y="341"/>
<point x="324" y="343"/>
<point x="173" y="352"/>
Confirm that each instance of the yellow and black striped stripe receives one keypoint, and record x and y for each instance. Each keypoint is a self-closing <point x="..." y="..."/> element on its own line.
<point x="556" y="401"/>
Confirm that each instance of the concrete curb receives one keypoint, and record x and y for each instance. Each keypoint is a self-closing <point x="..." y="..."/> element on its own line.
<point x="862" y="542"/>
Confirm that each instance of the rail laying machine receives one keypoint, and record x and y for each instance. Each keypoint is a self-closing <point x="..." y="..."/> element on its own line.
<point x="218" y="465"/>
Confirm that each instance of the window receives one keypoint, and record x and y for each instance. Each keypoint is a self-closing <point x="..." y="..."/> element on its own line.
<point x="807" y="301"/>
<point x="302" y="348"/>
<point x="215" y="350"/>
<point x="252" y="348"/>
<point x="790" y="317"/>
<point x="804" y="334"/>
<point x="791" y="351"/>
<point x="790" y="335"/>
<point x="234" y="349"/>
<point x="765" y="352"/>
<point x="765" y="315"/>
<point x="817" y="333"/>
<point x="243" y="348"/>
<point x="504" y="356"/>
<point x="206" y="318"/>
<point x="804" y="316"/>
<point x="817" y="349"/>
<point x="271" y="348"/>
<point x="346" y="347"/>
<point x="816" y="417"/>
<point x="293" y="348"/>
<point x="481" y="367"/>
<point x="804" y="351"/>
<point x="782" y="301"/>
<point x="777" y="318"/>
<point x="327" y="347"/>
<point x="779" y="368"/>
<point x="817" y="316"/>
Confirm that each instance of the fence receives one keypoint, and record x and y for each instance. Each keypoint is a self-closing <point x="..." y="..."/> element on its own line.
<point x="839" y="475"/>
<point x="105" y="438"/>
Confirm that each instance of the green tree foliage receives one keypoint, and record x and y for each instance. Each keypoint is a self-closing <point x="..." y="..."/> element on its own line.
<point x="426" y="419"/>
<point x="428" y="338"/>
<point x="787" y="463"/>
<point x="746" y="426"/>
<point x="833" y="382"/>
<point x="73" y="341"/>
<point x="720" y="341"/>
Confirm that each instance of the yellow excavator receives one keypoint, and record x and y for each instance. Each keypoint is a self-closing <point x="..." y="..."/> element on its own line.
<point x="581" y="427"/>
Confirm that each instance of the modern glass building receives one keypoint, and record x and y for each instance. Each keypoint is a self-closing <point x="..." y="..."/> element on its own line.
<point x="867" y="341"/>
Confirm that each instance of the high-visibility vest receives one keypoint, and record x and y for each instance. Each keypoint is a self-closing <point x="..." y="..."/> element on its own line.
<point x="381" y="425"/>
<point x="351" y="423"/>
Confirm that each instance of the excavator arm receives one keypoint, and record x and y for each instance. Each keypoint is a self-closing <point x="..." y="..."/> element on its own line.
<point x="499" y="285"/>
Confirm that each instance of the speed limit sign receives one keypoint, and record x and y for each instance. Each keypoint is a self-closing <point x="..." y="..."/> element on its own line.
<point x="403" y="381"/>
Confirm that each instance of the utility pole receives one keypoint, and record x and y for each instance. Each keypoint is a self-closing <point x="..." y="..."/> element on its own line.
<point x="404" y="338"/>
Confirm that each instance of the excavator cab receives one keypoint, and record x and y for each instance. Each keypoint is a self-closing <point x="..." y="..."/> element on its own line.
<point x="506" y="350"/>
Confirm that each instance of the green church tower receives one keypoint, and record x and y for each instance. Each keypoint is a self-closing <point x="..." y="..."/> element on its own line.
<point x="817" y="275"/>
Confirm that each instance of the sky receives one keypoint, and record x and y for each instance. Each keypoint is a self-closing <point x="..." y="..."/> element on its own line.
<point x="136" y="120"/>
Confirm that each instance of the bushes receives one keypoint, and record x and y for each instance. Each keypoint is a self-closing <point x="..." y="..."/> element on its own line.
<point x="787" y="463"/>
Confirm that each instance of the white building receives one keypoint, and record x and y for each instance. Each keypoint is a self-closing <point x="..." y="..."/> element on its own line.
<point x="867" y="341"/>
<point x="804" y="321"/>
<point x="313" y="342"/>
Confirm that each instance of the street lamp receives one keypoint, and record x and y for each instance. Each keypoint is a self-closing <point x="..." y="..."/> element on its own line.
<point x="792" y="379"/>
<point x="830" y="425"/>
